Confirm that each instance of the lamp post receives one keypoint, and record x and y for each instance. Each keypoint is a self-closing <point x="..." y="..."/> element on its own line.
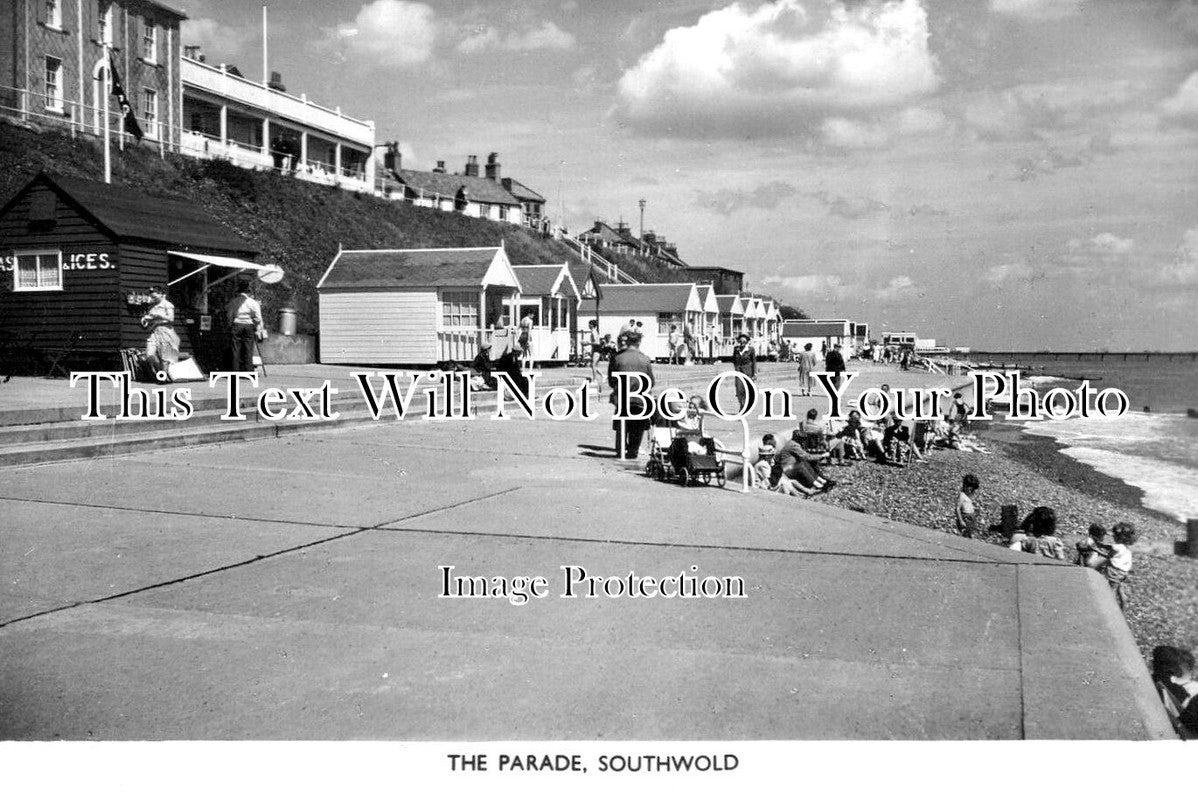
<point x="641" y="203"/>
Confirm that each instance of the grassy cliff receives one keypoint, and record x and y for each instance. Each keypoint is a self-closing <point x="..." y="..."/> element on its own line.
<point x="295" y="224"/>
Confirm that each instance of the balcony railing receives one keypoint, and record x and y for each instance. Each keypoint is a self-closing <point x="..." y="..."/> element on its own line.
<point x="221" y="83"/>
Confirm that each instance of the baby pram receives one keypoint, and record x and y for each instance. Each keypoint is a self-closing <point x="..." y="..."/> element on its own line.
<point x="684" y="455"/>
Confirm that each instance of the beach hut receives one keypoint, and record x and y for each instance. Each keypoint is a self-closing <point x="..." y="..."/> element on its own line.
<point x="707" y="335"/>
<point x="416" y="306"/>
<point x="656" y="306"/>
<point x="822" y="334"/>
<point x="754" y="322"/>
<point x="80" y="257"/>
<point x="732" y="322"/>
<point x="550" y="297"/>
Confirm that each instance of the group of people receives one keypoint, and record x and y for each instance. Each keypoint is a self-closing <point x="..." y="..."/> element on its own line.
<point x="242" y="313"/>
<point x="1108" y="552"/>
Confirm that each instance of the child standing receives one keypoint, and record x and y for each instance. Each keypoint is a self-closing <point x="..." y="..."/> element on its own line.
<point x="967" y="513"/>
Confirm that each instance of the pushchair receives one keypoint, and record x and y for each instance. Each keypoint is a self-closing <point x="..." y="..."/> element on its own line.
<point x="686" y="456"/>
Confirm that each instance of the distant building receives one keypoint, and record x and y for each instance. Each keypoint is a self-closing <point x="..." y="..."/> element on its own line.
<point x="822" y="334"/>
<point x="261" y="126"/>
<point x="620" y="239"/>
<point x="725" y="281"/>
<point x="469" y="193"/>
<point x="53" y="63"/>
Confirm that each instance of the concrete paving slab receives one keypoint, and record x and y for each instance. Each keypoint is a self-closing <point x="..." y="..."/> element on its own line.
<point x="623" y="668"/>
<point x="1068" y="692"/>
<point x="92" y="553"/>
<point x="264" y="481"/>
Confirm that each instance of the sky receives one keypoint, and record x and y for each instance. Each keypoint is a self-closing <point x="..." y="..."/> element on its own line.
<point x="1005" y="174"/>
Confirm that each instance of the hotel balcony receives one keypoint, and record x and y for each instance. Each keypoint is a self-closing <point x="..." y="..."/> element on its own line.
<point x="231" y="117"/>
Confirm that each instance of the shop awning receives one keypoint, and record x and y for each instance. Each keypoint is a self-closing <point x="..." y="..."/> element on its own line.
<point x="267" y="273"/>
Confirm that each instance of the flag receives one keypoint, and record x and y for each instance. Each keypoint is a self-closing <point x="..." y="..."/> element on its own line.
<point x="122" y="100"/>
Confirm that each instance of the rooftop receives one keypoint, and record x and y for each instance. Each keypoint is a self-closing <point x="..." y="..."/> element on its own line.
<point x="379" y="269"/>
<point x="128" y="213"/>
<point x="445" y="184"/>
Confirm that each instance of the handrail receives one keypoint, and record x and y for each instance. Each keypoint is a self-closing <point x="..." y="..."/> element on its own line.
<point x="287" y="95"/>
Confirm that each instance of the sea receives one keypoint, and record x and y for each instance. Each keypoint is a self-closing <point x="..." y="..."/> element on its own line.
<point x="1153" y="447"/>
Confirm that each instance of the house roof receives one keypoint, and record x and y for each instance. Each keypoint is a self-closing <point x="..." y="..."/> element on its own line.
<point x="127" y="213"/>
<point x="460" y="267"/>
<point x="799" y="328"/>
<point x="164" y="7"/>
<point x="542" y="279"/>
<point x="480" y="190"/>
<point x="646" y="297"/>
<point x="521" y="191"/>
<point x="727" y="302"/>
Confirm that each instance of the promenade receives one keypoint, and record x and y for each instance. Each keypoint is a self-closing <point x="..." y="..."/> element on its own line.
<point x="287" y="588"/>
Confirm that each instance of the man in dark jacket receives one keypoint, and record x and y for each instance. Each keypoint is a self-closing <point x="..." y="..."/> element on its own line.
<point x="744" y="361"/>
<point x="834" y="363"/>
<point x="630" y="432"/>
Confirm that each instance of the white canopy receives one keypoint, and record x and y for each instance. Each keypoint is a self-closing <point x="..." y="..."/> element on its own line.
<point x="267" y="273"/>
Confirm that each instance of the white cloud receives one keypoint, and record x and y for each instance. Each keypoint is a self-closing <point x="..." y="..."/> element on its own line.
<point x="1104" y="245"/>
<point x="782" y="68"/>
<point x="1002" y="273"/>
<point x="1182" y="273"/>
<point x="1183" y="105"/>
<point x="390" y="33"/>
<point x="861" y="134"/>
<point x="547" y="36"/>
<point x="898" y="287"/>
<point x="1037" y="10"/>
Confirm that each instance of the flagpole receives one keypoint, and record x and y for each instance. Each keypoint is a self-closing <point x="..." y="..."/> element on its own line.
<point x="104" y="111"/>
<point x="265" y="72"/>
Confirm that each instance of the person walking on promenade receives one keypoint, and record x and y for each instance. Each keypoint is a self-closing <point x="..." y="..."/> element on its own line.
<point x="807" y="364"/>
<point x="593" y="349"/>
<point x="162" y="343"/>
<point x="630" y="360"/>
<point x="834" y="363"/>
<point x="245" y="320"/>
<point x="744" y="361"/>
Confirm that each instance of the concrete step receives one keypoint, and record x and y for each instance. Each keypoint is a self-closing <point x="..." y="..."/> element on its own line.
<point x="79" y="439"/>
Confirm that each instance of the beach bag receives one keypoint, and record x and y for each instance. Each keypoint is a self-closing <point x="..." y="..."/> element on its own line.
<point x="185" y="370"/>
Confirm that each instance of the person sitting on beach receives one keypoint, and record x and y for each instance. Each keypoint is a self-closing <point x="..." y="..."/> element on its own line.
<point x="852" y="435"/>
<point x="1038" y="534"/>
<point x="480" y="369"/>
<point x="817" y="441"/>
<point x="793" y="461"/>
<point x="1095" y="549"/>
<point x="1110" y="554"/>
<point x="1173" y="672"/>
<point x="968" y="523"/>
<point x="897" y="438"/>
<point x="764" y="463"/>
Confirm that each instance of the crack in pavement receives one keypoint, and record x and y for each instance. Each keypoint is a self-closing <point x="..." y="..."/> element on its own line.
<point x="255" y="560"/>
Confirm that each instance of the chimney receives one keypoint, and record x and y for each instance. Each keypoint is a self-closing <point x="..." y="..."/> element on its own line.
<point x="276" y="82"/>
<point x="493" y="167"/>
<point x="440" y="167"/>
<point x="472" y="166"/>
<point x="392" y="158"/>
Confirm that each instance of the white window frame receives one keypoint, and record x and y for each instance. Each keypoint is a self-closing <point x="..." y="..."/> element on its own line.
<point x="459" y="309"/>
<point x="53" y="14"/>
<point x="105" y="24"/>
<point x="149" y="41"/>
<point x="37" y="255"/>
<point x="149" y="111"/>
<point x="54" y="99"/>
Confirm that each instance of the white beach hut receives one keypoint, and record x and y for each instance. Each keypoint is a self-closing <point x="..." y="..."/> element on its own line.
<point x="550" y="296"/>
<point x="656" y="306"/>
<point x="416" y="306"/>
<point x="732" y="323"/>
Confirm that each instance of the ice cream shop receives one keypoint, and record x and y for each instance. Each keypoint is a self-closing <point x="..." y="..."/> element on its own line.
<point x="79" y="258"/>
